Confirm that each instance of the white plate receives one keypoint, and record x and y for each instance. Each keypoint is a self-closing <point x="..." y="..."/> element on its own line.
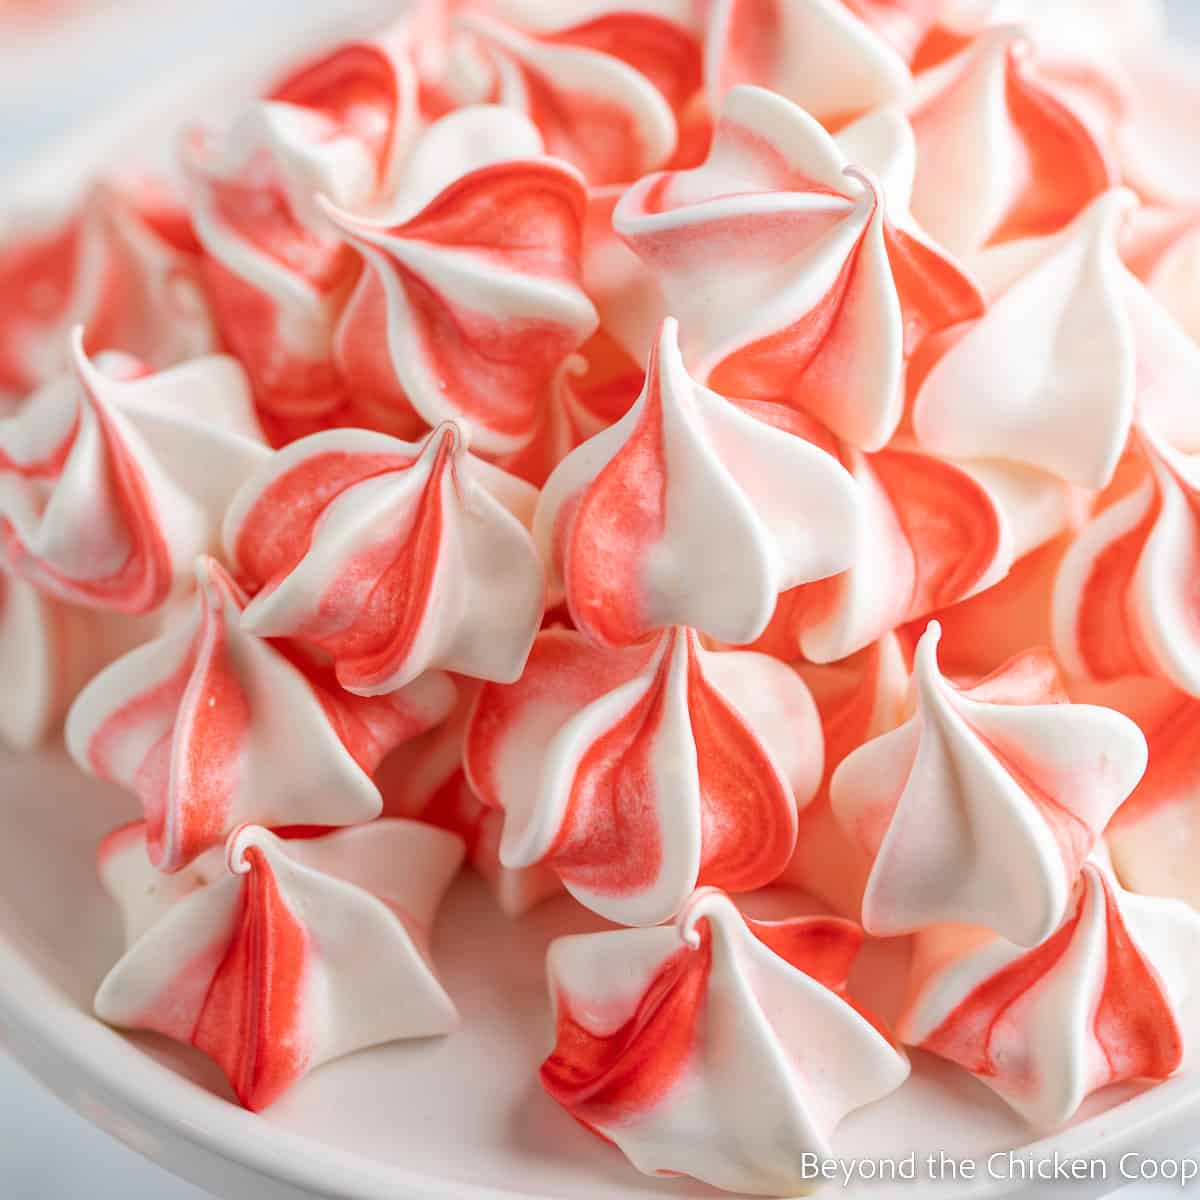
<point x="459" y="1117"/>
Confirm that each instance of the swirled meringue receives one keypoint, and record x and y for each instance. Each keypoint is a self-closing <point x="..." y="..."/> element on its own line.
<point x="1124" y="600"/>
<point x="859" y="698"/>
<point x="1162" y="248"/>
<point x="636" y="773"/>
<point x="48" y="651"/>
<point x="1098" y="1002"/>
<point x="424" y="780"/>
<point x="934" y="534"/>
<point x="609" y="90"/>
<point x="835" y="58"/>
<point x="391" y="557"/>
<point x="982" y="808"/>
<point x="827" y="295"/>
<point x="125" y="265"/>
<point x="1096" y="351"/>
<point x="626" y="518"/>
<point x="282" y="955"/>
<point x="717" y="1047"/>
<point x="470" y="299"/>
<point x="278" y="273"/>
<point x="213" y="727"/>
<point x="1024" y="162"/>
<point x="113" y="479"/>
<point x="1153" y="837"/>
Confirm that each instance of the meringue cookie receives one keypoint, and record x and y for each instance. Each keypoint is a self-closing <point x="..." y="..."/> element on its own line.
<point x="1162" y="248"/>
<point x="718" y="1047"/>
<point x="291" y="953"/>
<point x="1022" y="160"/>
<point x="393" y="558"/>
<point x="213" y="728"/>
<point x="828" y="56"/>
<point x="826" y="296"/>
<point x="278" y="273"/>
<point x="1096" y="351"/>
<point x="1098" y="1002"/>
<point x="935" y="534"/>
<point x="606" y="93"/>
<point x="470" y="299"/>
<point x="1124" y="597"/>
<point x="424" y="780"/>
<point x="48" y="650"/>
<point x="636" y="773"/>
<point x="125" y="265"/>
<point x="859" y="698"/>
<point x="1154" y="835"/>
<point x="113" y="479"/>
<point x="982" y="808"/>
<point x="627" y="518"/>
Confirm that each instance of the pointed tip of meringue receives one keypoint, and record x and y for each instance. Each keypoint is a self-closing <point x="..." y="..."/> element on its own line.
<point x="454" y="436"/>
<point x="241" y="841"/>
<point x="705" y="904"/>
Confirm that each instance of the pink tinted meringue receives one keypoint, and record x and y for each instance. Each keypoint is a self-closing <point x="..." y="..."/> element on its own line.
<point x="611" y="92"/>
<point x="390" y="557"/>
<point x="1100" y="1001"/>
<point x="470" y="297"/>
<point x="859" y="698"/>
<point x="125" y="265"/>
<point x="1124" y="600"/>
<point x="835" y="58"/>
<point x="1155" y="835"/>
<point x="983" y="806"/>
<point x="627" y="520"/>
<point x="935" y="533"/>
<point x="424" y="780"/>
<point x="1002" y="152"/>
<point x="636" y="773"/>
<point x="273" y="957"/>
<point x="1096" y="351"/>
<point x="48" y="651"/>
<point x="113" y="479"/>
<point x="831" y="287"/>
<point x="1162" y="247"/>
<point x="717" y="1047"/>
<point x="213" y="727"/>
<point x="277" y="271"/>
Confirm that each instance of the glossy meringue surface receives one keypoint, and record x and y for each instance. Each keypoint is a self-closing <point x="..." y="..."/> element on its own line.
<point x="542" y="436"/>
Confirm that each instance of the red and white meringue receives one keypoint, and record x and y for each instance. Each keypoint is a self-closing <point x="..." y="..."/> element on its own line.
<point x="835" y="58"/>
<point x="281" y="955"/>
<point x="424" y="780"/>
<point x="1096" y="351"/>
<point x="830" y="289"/>
<point x="629" y="518"/>
<point x="391" y="557"/>
<point x="935" y="532"/>
<point x="610" y="88"/>
<point x="1003" y="152"/>
<point x="113" y="479"/>
<point x="1124" y="600"/>
<point x="1162" y="248"/>
<point x="982" y="807"/>
<point x="717" y="1047"/>
<point x="212" y="727"/>
<point x="48" y="651"/>
<point x="639" y="772"/>
<point x="859" y="698"/>
<point x="277" y="271"/>
<point x="470" y="298"/>
<point x="125" y="265"/>
<point x="1100" y="1001"/>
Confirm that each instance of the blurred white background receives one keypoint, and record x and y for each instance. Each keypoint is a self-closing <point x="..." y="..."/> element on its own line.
<point x="47" y="83"/>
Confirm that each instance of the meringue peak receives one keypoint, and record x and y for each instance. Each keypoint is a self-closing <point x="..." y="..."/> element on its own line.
<point x="625" y="517"/>
<point x="1006" y="762"/>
